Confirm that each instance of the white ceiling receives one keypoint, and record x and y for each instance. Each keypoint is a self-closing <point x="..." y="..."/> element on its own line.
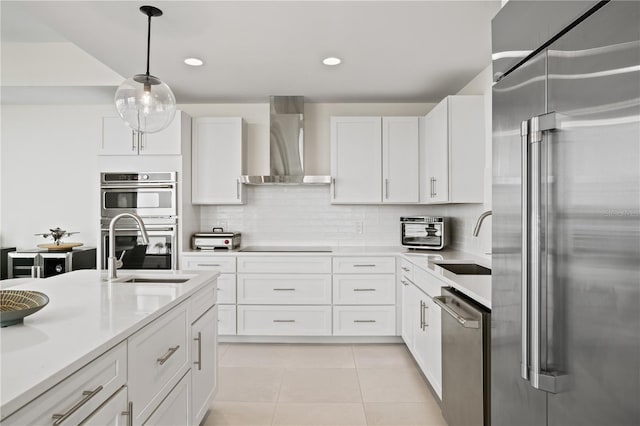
<point x="392" y="51"/>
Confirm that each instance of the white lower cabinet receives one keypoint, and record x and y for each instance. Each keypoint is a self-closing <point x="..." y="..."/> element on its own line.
<point x="114" y="412"/>
<point x="175" y="408"/>
<point x="268" y="320"/>
<point x="364" y="320"/>
<point x="203" y="368"/>
<point x="227" y="320"/>
<point x="364" y="289"/>
<point x="284" y="289"/>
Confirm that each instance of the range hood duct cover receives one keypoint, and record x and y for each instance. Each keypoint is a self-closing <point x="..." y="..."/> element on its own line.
<point x="286" y="145"/>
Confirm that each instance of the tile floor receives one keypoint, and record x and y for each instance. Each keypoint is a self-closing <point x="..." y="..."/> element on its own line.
<point x="266" y="384"/>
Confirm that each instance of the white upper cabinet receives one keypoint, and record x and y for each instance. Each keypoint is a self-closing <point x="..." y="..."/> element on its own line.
<point x="120" y="139"/>
<point x="452" y="154"/>
<point x="374" y="160"/>
<point x="356" y="156"/>
<point x="217" y="160"/>
<point x="400" y="144"/>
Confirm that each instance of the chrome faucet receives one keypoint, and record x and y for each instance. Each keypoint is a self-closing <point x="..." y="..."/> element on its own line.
<point x="481" y="218"/>
<point x="113" y="263"/>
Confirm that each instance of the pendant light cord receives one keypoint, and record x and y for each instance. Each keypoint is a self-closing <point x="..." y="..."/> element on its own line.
<point x="148" y="41"/>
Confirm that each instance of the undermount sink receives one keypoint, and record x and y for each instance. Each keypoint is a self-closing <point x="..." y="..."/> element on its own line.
<point x="157" y="280"/>
<point x="465" y="268"/>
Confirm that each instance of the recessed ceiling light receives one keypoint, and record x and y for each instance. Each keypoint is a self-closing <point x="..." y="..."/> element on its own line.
<point x="194" y="62"/>
<point x="331" y="61"/>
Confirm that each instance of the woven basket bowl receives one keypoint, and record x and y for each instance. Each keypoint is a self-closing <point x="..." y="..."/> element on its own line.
<point x="17" y="304"/>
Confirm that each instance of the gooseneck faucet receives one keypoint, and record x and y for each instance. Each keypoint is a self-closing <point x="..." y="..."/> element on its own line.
<point x="481" y="218"/>
<point x="113" y="263"/>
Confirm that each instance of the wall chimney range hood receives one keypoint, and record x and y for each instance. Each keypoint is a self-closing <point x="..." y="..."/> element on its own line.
<point x="286" y="145"/>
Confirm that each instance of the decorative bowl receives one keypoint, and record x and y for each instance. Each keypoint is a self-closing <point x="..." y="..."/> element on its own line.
<point x="17" y="304"/>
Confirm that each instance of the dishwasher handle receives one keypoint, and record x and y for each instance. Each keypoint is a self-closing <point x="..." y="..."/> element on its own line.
<point x="466" y="323"/>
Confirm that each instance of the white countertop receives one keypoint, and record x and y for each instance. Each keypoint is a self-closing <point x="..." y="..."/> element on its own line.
<point x="86" y="316"/>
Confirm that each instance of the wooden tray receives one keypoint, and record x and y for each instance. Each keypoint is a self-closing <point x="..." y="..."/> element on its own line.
<point x="60" y="247"/>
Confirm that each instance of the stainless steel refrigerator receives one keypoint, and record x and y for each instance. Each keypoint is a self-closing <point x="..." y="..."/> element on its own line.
<point x="565" y="338"/>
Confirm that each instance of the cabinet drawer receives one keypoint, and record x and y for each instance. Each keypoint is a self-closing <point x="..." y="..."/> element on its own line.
<point x="364" y="289"/>
<point x="364" y="265"/>
<point x="284" y="289"/>
<point x="364" y="320"/>
<point x="158" y="358"/>
<point x="284" y="264"/>
<point x="427" y="282"/>
<point x="222" y="264"/>
<point x="227" y="320"/>
<point x="201" y="301"/>
<point x="227" y="288"/>
<point x="406" y="269"/>
<point x="101" y="378"/>
<point x="284" y="320"/>
<point x="174" y="410"/>
<point x="113" y="412"/>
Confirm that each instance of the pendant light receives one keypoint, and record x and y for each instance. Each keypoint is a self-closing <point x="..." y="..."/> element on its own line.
<point x="144" y="102"/>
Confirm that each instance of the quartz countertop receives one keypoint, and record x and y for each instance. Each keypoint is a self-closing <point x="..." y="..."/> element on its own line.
<point x="86" y="316"/>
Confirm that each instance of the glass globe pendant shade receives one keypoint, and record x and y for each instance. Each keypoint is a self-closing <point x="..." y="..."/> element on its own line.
<point x="145" y="103"/>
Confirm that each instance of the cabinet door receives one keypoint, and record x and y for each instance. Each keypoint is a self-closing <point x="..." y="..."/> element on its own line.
<point x="114" y="412"/>
<point x="174" y="410"/>
<point x="410" y="317"/>
<point x="400" y="160"/>
<point x="217" y="161"/>
<point x="226" y="320"/>
<point x="169" y="140"/>
<point x="436" y="154"/>
<point x="117" y="138"/>
<point x="433" y="342"/>
<point x="356" y="160"/>
<point x="204" y="333"/>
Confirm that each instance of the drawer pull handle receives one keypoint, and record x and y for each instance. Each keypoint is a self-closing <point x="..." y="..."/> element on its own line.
<point x="364" y="320"/>
<point x="59" y="418"/>
<point x="168" y="355"/>
<point x="129" y="414"/>
<point x="284" y="320"/>
<point x="209" y="264"/>
<point x="364" y="265"/>
<point x="199" y="340"/>
<point x="404" y="282"/>
<point x="284" y="289"/>
<point x="405" y="269"/>
<point x="364" y="289"/>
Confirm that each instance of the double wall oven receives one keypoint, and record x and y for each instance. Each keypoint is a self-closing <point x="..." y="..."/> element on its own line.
<point x="153" y="197"/>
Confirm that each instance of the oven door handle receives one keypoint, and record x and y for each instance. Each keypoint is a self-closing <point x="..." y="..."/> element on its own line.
<point x="139" y="186"/>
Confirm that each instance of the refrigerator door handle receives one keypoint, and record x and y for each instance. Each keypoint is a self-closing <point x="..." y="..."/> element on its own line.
<point x="531" y="258"/>
<point x="524" y="303"/>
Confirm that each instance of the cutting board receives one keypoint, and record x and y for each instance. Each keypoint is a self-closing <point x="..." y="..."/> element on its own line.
<point x="60" y="247"/>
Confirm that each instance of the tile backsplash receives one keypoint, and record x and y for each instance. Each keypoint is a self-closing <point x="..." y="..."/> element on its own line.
<point x="303" y="215"/>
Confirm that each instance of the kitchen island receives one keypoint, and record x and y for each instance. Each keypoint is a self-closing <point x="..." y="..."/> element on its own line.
<point x="88" y="319"/>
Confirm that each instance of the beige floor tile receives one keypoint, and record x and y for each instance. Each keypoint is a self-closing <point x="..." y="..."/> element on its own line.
<point x="246" y="384"/>
<point x="320" y="385"/>
<point x="392" y="385"/>
<point x="321" y="356"/>
<point x="301" y="414"/>
<point x="404" y="414"/>
<point x="256" y="355"/>
<point x="382" y="356"/>
<point x="240" y="413"/>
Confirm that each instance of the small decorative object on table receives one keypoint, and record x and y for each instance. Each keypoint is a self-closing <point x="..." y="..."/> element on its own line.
<point x="57" y="234"/>
<point x="17" y="304"/>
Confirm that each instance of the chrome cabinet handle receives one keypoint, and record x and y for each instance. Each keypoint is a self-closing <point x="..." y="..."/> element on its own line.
<point x="59" y="418"/>
<point x="426" y="315"/>
<point x="237" y="189"/>
<point x="284" y="320"/>
<point x="386" y="188"/>
<point x="435" y="190"/>
<point x="432" y="193"/>
<point x="133" y="141"/>
<point x="199" y="340"/>
<point x="208" y="264"/>
<point x="421" y="315"/>
<point x="405" y="269"/>
<point x="524" y="300"/>
<point x="141" y="138"/>
<point x="404" y="282"/>
<point x="129" y="413"/>
<point x="466" y="323"/>
<point x="364" y="289"/>
<point x="168" y="355"/>
<point x="364" y="265"/>
<point x="364" y="320"/>
<point x="284" y="289"/>
<point x="333" y="187"/>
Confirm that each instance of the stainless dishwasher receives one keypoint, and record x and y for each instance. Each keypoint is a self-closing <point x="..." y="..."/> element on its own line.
<point x="465" y="359"/>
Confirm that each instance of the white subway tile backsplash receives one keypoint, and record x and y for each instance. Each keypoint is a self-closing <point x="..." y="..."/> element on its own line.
<point x="304" y="215"/>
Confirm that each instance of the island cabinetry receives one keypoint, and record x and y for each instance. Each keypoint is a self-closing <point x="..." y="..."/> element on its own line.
<point x="203" y="367"/>
<point x="175" y="409"/>
<point x="159" y="356"/>
<point x="226" y="290"/>
<point x="284" y="295"/>
<point x="77" y="396"/>
<point x="364" y="296"/>
<point x="114" y="411"/>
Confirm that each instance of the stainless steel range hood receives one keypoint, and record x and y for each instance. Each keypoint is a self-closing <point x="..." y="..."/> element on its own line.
<point x="286" y="145"/>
